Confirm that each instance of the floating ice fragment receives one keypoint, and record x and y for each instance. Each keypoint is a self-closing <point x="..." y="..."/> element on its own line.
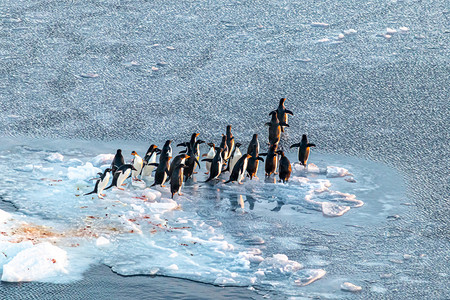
<point x="404" y="29"/>
<point x="341" y="36"/>
<point x="55" y="157"/>
<point x="391" y="30"/>
<point x="320" y="24"/>
<point x="89" y="75"/>
<point x="37" y="263"/>
<point x="336" y="172"/>
<point x="350" y="287"/>
<point x="170" y="48"/>
<point x="304" y="60"/>
<point x="407" y="256"/>
<point x="307" y="276"/>
<point x="154" y="69"/>
<point x="350" y="31"/>
<point x="161" y="63"/>
<point x="279" y="264"/>
<point x="172" y="267"/>
<point x="387" y="36"/>
<point x="324" y="40"/>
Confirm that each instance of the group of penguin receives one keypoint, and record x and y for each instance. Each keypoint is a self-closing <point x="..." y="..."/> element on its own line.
<point x="226" y="157"/>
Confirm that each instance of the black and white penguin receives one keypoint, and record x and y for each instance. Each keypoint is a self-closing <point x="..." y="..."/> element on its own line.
<point x="121" y="174"/>
<point x="176" y="179"/>
<point x="138" y="163"/>
<point x="224" y="147"/>
<point x="253" y="163"/>
<point x="282" y="113"/>
<point x="303" y="150"/>
<point x="162" y="170"/>
<point x="254" y="144"/>
<point x="235" y="156"/>
<point x="166" y="151"/>
<point x="284" y="168"/>
<point x="271" y="160"/>
<point x="216" y="164"/>
<point x="274" y="128"/>
<point x="230" y="143"/>
<point x="118" y="161"/>
<point x="191" y="161"/>
<point x="101" y="183"/>
<point x="237" y="174"/>
<point x="210" y="155"/>
<point x="150" y="157"/>
<point x="179" y="159"/>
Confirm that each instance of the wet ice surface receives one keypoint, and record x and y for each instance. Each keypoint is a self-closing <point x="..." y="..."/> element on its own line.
<point x="262" y="234"/>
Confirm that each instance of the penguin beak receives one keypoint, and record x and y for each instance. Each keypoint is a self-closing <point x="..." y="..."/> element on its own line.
<point x="187" y="156"/>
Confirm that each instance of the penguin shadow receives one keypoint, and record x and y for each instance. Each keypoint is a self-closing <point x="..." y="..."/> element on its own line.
<point x="279" y="206"/>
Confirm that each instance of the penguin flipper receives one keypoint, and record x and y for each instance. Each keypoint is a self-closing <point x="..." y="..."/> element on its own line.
<point x="183" y="151"/>
<point x="267" y="124"/>
<point x="182" y="144"/>
<point x="295" y="145"/>
<point x="207" y="159"/>
<point x="287" y="111"/>
<point x="263" y="154"/>
<point x="284" y="124"/>
<point x="94" y="191"/>
<point x="109" y="187"/>
<point x="153" y="164"/>
<point x="228" y="181"/>
<point x="198" y="164"/>
<point x="260" y="158"/>
<point x="310" y="145"/>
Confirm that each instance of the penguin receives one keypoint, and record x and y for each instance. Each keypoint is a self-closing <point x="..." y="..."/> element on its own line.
<point x="150" y="157"/>
<point x="282" y="113"/>
<point x="166" y="151"/>
<point x="224" y="147"/>
<point x="137" y="164"/>
<point x="271" y="160"/>
<point x="191" y="160"/>
<point x="303" y="150"/>
<point x="118" y="161"/>
<point x="211" y="153"/>
<point x="253" y="163"/>
<point x="230" y="143"/>
<point x="254" y="143"/>
<point x="274" y="128"/>
<point x="216" y="164"/>
<point x="234" y="157"/>
<point x="194" y="144"/>
<point x="101" y="183"/>
<point x="162" y="170"/>
<point x="121" y="174"/>
<point x="284" y="169"/>
<point x="237" y="174"/>
<point x="176" y="179"/>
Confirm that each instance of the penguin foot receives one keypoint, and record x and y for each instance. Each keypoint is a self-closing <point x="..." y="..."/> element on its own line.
<point x="103" y="195"/>
<point x="100" y="197"/>
<point x="163" y="185"/>
<point x="195" y="173"/>
<point x="240" y="183"/>
<point x="180" y="194"/>
<point x="122" y="189"/>
<point x="124" y="184"/>
<point x="206" y="173"/>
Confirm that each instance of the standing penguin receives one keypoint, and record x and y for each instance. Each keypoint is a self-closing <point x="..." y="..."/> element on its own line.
<point x="216" y="164"/>
<point x="101" y="183"/>
<point x="166" y="151"/>
<point x="179" y="159"/>
<point x="211" y="153"/>
<point x="176" y="179"/>
<point x="162" y="170"/>
<point x="237" y="174"/>
<point x="150" y="157"/>
<point x="230" y="143"/>
<point x="137" y="164"/>
<point x="224" y="147"/>
<point x="274" y="128"/>
<point x="271" y="160"/>
<point x="282" y="113"/>
<point x="284" y="169"/>
<point x="121" y="174"/>
<point x="191" y="160"/>
<point x="303" y="150"/>
<point x="235" y="156"/>
<point x="253" y="163"/>
<point x="254" y="144"/>
<point x="118" y="161"/>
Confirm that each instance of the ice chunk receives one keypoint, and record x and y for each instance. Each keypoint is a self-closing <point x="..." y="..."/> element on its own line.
<point x="333" y="210"/>
<point x="391" y="31"/>
<point x="38" y="263"/>
<point x="324" y="40"/>
<point x="350" y="31"/>
<point x="4" y="216"/>
<point x="83" y="172"/>
<point x="279" y="264"/>
<point x="55" y="157"/>
<point x="341" y="36"/>
<point x="336" y="172"/>
<point x="102" y="241"/>
<point x="320" y="24"/>
<point x="307" y="276"/>
<point x="403" y="29"/>
<point x="102" y="159"/>
<point x="350" y="287"/>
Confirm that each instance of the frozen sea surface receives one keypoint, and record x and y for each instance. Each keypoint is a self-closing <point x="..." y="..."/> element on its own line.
<point x="263" y="235"/>
<point x="366" y="80"/>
